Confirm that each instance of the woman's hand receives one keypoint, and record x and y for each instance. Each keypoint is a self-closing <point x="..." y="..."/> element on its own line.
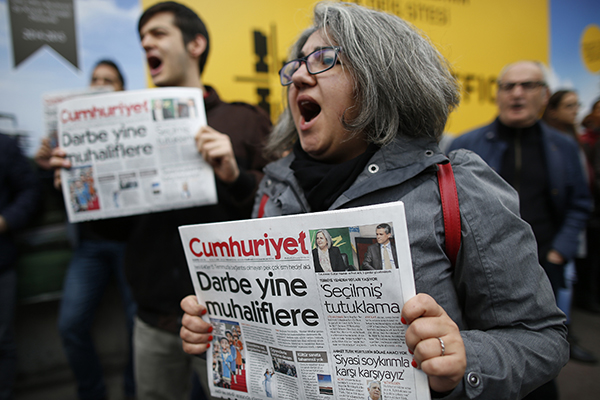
<point x="195" y="332"/>
<point x="428" y="323"/>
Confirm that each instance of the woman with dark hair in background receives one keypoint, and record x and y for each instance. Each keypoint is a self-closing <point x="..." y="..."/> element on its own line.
<point x="561" y="112"/>
<point x="368" y="98"/>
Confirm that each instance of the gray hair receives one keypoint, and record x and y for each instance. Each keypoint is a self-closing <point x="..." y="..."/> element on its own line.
<point x="402" y="84"/>
<point x="327" y="237"/>
<point x="538" y="64"/>
<point x="372" y="382"/>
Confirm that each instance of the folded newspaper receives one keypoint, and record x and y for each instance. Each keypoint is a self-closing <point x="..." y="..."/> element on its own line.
<point x="302" y="307"/>
<point x="51" y="100"/>
<point x="133" y="152"/>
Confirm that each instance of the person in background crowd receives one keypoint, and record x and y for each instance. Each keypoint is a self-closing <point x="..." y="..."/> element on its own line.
<point x="368" y="97"/>
<point x="560" y="114"/>
<point x="542" y="165"/>
<point x="176" y="42"/>
<point x="107" y="73"/>
<point x="98" y="257"/>
<point x="587" y="293"/>
<point x="19" y="200"/>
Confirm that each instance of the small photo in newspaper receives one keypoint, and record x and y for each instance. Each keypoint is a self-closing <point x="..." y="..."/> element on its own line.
<point x="325" y="384"/>
<point x="82" y="189"/>
<point x="166" y="109"/>
<point x="229" y="359"/>
<point x="354" y="248"/>
<point x="374" y="389"/>
<point x="283" y="362"/>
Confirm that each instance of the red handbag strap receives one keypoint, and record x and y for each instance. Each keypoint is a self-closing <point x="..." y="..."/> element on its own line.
<point x="261" y="207"/>
<point x="450" y="209"/>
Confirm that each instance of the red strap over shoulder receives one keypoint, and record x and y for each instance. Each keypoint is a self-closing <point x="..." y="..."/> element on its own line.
<point x="261" y="207"/>
<point x="450" y="209"/>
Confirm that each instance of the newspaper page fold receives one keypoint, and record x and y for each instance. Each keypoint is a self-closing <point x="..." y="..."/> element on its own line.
<point x="295" y="313"/>
<point x="133" y="152"/>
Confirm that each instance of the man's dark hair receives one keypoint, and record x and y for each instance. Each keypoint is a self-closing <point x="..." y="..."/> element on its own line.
<point x="388" y="229"/>
<point x="113" y="65"/>
<point x="188" y="22"/>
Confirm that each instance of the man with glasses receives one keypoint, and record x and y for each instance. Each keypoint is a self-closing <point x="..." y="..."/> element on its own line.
<point x="541" y="164"/>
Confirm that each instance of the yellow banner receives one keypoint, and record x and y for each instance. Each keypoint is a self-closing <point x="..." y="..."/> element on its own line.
<point x="250" y="39"/>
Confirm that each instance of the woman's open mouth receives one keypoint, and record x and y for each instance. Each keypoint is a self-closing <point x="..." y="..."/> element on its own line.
<point x="309" y="109"/>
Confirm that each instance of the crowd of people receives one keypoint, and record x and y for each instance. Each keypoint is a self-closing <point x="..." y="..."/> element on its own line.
<point x="364" y="89"/>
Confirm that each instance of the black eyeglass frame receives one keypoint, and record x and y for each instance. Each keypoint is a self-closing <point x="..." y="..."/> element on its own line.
<point x="304" y="59"/>
<point x="528" y="85"/>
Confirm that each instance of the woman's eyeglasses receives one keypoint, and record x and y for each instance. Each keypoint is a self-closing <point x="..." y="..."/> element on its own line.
<point x="316" y="62"/>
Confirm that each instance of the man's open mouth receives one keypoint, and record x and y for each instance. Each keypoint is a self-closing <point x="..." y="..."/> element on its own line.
<point x="154" y="63"/>
<point x="309" y="109"/>
<point x="516" y="107"/>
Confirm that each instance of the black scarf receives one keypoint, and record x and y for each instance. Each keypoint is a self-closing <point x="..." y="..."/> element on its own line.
<point x="324" y="183"/>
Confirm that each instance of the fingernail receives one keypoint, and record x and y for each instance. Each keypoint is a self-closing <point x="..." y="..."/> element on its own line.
<point x="210" y="329"/>
<point x="207" y="345"/>
<point x="410" y="351"/>
<point x="403" y="320"/>
<point x="203" y="311"/>
<point x="414" y="363"/>
<point x="210" y="338"/>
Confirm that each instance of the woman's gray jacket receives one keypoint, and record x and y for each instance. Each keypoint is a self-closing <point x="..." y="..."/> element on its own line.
<point x="497" y="293"/>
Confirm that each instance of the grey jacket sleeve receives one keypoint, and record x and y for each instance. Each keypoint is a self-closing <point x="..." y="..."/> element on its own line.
<point x="513" y="332"/>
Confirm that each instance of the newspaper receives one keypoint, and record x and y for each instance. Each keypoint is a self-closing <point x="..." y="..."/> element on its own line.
<point x="133" y="152"/>
<point x="284" y="330"/>
<point x="50" y="102"/>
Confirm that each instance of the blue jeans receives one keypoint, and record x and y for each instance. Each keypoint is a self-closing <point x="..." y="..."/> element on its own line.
<point x="565" y="295"/>
<point x="8" y="348"/>
<point x="93" y="263"/>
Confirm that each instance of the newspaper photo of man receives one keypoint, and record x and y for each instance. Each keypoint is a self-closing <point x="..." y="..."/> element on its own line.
<point x="374" y="389"/>
<point x="381" y="255"/>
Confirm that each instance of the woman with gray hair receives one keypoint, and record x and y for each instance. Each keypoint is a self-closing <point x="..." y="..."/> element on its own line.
<point x="368" y="96"/>
<point x="326" y="257"/>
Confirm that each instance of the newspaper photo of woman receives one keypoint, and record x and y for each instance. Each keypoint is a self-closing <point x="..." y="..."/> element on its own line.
<point x="326" y="257"/>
